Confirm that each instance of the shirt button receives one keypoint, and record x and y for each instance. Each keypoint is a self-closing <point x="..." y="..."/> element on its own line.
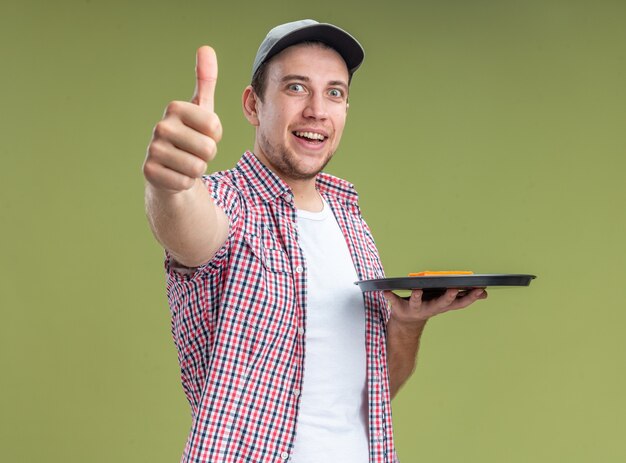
<point x="284" y="456"/>
<point x="296" y="392"/>
<point x="301" y="331"/>
<point x="299" y="269"/>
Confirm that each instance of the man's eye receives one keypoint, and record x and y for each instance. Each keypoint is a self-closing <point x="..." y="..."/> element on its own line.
<point x="335" y="93"/>
<point x="296" y="87"/>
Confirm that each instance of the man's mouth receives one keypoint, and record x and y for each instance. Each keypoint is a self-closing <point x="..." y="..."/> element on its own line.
<point x="310" y="136"/>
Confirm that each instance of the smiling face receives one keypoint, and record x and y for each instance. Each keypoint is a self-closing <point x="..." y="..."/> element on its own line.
<point x="301" y="118"/>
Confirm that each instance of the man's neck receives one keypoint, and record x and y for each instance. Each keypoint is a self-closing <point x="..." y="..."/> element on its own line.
<point x="305" y="195"/>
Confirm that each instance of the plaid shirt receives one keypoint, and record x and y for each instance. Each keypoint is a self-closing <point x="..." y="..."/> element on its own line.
<point x="238" y="322"/>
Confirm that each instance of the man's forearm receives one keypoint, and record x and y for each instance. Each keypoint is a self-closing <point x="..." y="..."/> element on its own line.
<point x="403" y="341"/>
<point x="406" y="324"/>
<point x="188" y="223"/>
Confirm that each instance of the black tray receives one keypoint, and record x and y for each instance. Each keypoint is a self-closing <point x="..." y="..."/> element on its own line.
<point x="434" y="286"/>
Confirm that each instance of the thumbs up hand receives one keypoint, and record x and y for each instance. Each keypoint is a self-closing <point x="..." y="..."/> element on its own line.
<point x="185" y="140"/>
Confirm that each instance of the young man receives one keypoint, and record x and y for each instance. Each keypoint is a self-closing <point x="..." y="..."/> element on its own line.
<point x="282" y="357"/>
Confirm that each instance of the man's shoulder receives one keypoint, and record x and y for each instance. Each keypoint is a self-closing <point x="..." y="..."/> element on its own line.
<point x="228" y="181"/>
<point x="227" y="190"/>
<point x="337" y="187"/>
<point x="227" y="177"/>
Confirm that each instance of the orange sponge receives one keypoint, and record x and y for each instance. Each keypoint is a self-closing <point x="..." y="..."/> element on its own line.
<point x="428" y="273"/>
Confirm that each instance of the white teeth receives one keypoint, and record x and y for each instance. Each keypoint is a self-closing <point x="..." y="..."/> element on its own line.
<point x="311" y="135"/>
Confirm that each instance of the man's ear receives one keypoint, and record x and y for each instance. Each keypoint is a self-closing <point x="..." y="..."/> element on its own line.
<point x="249" y="103"/>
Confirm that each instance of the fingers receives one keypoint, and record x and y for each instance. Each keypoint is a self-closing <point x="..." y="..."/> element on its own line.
<point x="177" y="160"/>
<point x="206" y="78"/>
<point x="201" y="121"/>
<point x="439" y="305"/>
<point x="416" y="309"/>
<point x="469" y="298"/>
<point x="392" y="297"/>
<point x="407" y="311"/>
<point x="167" y="179"/>
<point x="198" y="119"/>
<point x="177" y="155"/>
<point x="416" y="295"/>
<point x="195" y="143"/>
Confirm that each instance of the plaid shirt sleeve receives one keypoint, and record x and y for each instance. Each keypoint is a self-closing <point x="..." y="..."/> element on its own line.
<point x="226" y="198"/>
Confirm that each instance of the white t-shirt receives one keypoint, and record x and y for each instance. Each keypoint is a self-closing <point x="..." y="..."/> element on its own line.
<point x="333" y="417"/>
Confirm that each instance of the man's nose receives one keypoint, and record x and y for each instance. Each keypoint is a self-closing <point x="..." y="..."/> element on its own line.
<point x="316" y="107"/>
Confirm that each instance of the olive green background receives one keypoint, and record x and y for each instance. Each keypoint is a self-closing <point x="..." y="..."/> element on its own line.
<point x="482" y="135"/>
